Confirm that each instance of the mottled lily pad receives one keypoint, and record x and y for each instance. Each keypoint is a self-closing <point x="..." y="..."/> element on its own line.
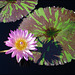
<point x="52" y="24"/>
<point x="15" y="9"/>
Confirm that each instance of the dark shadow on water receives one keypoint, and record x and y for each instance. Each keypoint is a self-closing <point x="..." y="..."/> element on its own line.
<point x="49" y="51"/>
<point x="24" y="63"/>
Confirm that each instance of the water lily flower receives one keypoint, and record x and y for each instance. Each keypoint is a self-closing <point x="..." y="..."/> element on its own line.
<point x="21" y="43"/>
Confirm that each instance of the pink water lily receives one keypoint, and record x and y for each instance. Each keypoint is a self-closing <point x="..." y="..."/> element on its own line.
<point x="21" y="43"/>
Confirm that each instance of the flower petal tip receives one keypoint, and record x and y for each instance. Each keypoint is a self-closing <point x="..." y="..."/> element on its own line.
<point x="18" y="60"/>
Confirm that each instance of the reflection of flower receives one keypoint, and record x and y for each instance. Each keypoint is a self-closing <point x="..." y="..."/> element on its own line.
<point x="21" y="43"/>
<point x="57" y="24"/>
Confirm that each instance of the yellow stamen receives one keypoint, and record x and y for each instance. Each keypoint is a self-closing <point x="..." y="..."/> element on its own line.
<point x="21" y="44"/>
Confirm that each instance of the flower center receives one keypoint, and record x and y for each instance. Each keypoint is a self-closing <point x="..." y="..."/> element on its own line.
<point x="21" y="44"/>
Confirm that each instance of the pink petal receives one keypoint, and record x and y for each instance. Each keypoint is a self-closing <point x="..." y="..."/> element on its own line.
<point x="9" y="43"/>
<point x="15" y="35"/>
<point x="32" y="35"/>
<point x="30" y="46"/>
<point x="33" y="48"/>
<point x="26" y="58"/>
<point x="11" y="34"/>
<point x="29" y="53"/>
<point x="25" y="55"/>
<point x="33" y="43"/>
<point x="11" y="31"/>
<point x="32" y="40"/>
<point x="18" y="58"/>
<point x="20" y="54"/>
<point x="17" y="31"/>
<point x="28" y="39"/>
<point x="11" y="40"/>
<point x="10" y="51"/>
<point x="13" y="54"/>
<point x="21" y="32"/>
<point x="26" y="33"/>
<point x="29" y="35"/>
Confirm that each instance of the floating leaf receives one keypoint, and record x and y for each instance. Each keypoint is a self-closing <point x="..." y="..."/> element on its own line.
<point x="57" y="24"/>
<point x="3" y="3"/>
<point x="15" y="9"/>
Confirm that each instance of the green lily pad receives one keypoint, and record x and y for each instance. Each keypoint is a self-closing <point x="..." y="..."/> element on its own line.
<point x="56" y="25"/>
<point x="15" y="9"/>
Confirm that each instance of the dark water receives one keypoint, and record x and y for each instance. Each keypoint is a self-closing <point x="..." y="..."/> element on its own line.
<point x="10" y="66"/>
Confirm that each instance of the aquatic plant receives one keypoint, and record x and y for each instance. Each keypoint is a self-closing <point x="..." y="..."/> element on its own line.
<point x="21" y="43"/>
<point x="13" y="10"/>
<point x="53" y="29"/>
<point x="52" y="25"/>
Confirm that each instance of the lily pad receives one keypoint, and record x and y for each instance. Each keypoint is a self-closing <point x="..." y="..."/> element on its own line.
<point x="15" y="9"/>
<point x="57" y="24"/>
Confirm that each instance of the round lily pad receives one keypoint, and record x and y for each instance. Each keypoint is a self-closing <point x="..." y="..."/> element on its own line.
<point x="15" y="9"/>
<point x="55" y="29"/>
